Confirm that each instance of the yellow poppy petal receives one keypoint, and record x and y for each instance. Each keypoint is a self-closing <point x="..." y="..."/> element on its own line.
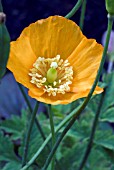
<point x="86" y="58"/>
<point x="85" y="61"/>
<point x="52" y="36"/>
<point x="60" y="99"/>
<point x="21" y="60"/>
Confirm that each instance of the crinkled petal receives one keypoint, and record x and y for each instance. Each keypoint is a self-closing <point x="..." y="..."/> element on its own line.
<point x="52" y="36"/>
<point x="85" y="60"/>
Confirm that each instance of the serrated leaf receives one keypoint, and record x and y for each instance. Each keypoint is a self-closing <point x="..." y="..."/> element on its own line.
<point x="6" y="149"/>
<point x="15" y="126"/>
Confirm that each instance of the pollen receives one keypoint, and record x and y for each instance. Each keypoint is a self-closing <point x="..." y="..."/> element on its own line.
<point x="42" y="73"/>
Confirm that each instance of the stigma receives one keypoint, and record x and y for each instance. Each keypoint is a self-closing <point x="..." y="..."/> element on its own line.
<point x="53" y="75"/>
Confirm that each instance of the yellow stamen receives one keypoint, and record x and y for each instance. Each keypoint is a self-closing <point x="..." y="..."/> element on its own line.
<point x="54" y="75"/>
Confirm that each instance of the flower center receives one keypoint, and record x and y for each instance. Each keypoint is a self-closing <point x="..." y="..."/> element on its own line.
<point x="54" y="75"/>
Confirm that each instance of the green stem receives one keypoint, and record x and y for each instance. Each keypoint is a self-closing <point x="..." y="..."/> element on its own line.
<point x="82" y="14"/>
<point x="110" y="23"/>
<point x="90" y="143"/>
<point x="33" y="115"/>
<point x="52" y="132"/>
<point x="1" y="8"/>
<point x="30" y="109"/>
<point x="74" y="10"/>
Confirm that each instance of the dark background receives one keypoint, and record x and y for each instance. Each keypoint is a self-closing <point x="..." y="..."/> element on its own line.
<point x="20" y="13"/>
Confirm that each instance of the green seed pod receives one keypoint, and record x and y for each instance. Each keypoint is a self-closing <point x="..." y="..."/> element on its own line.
<point x="4" y="43"/>
<point x="110" y="6"/>
<point x="51" y="75"/>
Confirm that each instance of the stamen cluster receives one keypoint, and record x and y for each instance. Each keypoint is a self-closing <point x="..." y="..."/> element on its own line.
<point x="64" y="75"/>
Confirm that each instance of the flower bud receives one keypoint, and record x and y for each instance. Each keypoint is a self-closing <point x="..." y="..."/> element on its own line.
<point x="51" y="75"/>
<point x="110" y="6"/>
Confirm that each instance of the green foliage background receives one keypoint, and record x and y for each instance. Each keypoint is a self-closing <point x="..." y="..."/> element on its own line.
<point x="71" y="150"/>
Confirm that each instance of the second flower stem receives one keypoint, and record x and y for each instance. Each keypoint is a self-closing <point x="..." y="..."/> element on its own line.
<point x="90" y="143"/>
<point x="74" y="9"/>
<point x="27" y="139"/>
<point x="52" y="132"/>
<point x="83" y="10"/>
<point x="30" y="109"/>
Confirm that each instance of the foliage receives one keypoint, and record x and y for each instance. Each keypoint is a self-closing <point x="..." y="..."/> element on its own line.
<point x="71" y="150"/>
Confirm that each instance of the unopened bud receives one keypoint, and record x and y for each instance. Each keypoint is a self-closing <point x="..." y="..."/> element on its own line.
<point x="110" y="6"/>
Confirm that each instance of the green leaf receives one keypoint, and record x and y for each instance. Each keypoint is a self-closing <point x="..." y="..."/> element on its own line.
<point x="71" y="158"/>
<point x="15" y="126"/>
<point x="108" y="116"/>
<point x="97" y="160"/>
<point x="6" y="149"/>
<point x="12" y="166"/>
<point x="109" y="99"/>
<point x="105" y="139"/>
<point x="109" y="154"/>
<point x="93" y="104"/>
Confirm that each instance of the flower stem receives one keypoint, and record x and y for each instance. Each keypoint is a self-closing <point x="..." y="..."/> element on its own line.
<point x="74" y="10"/>
<point x="82" y="14"/>
<point x="110" y="23"/>
<point x="89" y="146"/>
<point x="1" y="8"/>
<point x="30" y="109"/>
<point x="52" y="132"/>
<point x="28" y="134"/>
<point x="75" y="113"/>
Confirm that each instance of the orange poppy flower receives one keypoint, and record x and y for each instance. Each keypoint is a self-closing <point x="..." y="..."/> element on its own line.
<point x="55" y="61"/>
